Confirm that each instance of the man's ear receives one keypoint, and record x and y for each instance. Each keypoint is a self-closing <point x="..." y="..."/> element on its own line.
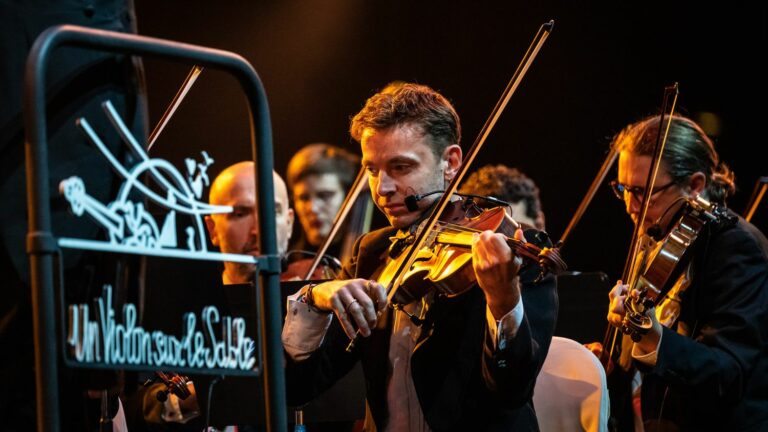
<point x="697" y="183"/>
<point x="452" y="158"/>
<point x="211" y="226"/>
<point x="289" y="220"/>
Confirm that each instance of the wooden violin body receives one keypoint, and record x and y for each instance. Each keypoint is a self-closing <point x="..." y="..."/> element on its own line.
<point x="667" y="259"/>
<point x="443" y="264"/>
<point x="298" y="270"/>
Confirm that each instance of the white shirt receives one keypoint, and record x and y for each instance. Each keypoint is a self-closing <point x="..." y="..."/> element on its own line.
<point x="304" y="331"/>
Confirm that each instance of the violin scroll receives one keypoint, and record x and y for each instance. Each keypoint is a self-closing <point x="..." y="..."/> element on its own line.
<point x="174" y="384"/>
<point x="551" y="261"/>
<point x="636" y="321"/>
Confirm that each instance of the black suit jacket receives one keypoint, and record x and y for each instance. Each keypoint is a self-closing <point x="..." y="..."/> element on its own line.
<point x="717" y="379"/>
<point x="462" y="381"/>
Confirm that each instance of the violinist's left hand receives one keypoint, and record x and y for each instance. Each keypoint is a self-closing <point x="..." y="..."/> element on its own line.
<point x="649" y="342"/>
<point x="496" y="269"/>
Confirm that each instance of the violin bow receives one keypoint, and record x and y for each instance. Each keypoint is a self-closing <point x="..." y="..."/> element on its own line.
<point x="757" y="195"/>
<point x="423" y="234"/>
<point x="598" y="180"/>
<point x="658" y="150"/>
<point x="533" y="50"/>
<point x="189" y="81"/>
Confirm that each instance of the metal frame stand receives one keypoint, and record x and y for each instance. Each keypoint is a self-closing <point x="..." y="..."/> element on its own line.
<point x="41" y="245"/>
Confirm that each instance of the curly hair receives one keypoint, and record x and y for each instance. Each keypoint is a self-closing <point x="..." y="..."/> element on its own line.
<point x="507" y="184"/>
<point x="688" y="150"/>
<point x="410" y="104"/>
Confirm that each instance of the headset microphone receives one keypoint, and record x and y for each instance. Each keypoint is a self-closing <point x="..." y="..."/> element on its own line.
<point x="412" y="201"/>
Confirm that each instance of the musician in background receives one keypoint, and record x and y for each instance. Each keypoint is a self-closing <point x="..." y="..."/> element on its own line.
<point x="236" y="232"/>
<point x="704" y="363"/>
<point x="510" y="185"/>
<point x="319" y="177"/>
<point x="465" y="363"/>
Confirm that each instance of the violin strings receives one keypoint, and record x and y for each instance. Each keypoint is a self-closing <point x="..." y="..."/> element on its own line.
<point x="452" y="233"/>
<point x="453" y="228"/>
<point x="460" y="235"/>
<point x="455" y="233"/>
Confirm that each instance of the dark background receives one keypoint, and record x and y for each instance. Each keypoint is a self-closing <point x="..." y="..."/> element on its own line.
<point x="604" y="66"/>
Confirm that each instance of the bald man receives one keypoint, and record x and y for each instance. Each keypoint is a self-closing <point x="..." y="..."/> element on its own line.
<point x="238" y="231"/>
<point x="234" y="232"/>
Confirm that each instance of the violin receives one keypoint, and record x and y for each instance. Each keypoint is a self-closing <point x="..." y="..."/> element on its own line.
<point x="666" y="260"/>
<point x="326" y="268"/>
<point x="453" y="253"/>
<point x="670" y="97"/>
<point x="443" y="263"/>
<point x="174" y="384"/>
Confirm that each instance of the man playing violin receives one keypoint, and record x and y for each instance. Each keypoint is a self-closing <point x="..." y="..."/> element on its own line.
<point x="704" y="362"/>
<point x="464" y="363"/>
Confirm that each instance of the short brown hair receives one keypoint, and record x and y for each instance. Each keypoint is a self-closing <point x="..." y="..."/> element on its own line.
<point x="413" y="104"/>
<point x="322" y="158"/>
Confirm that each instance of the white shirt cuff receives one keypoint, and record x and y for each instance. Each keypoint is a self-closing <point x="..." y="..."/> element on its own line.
<point x="304" y="329"/>
<point x="172" y="410"/>
<point x="645" y="358"/>
<point x="505" y="328"/>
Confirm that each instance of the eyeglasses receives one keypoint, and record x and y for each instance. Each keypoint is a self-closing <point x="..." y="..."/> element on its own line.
<point x="620" y="190"/>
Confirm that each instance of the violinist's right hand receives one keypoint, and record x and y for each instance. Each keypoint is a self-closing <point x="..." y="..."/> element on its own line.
<point x="617" y="297"/>
<point x="496" y="268"/>
<point x="356" y="303"/>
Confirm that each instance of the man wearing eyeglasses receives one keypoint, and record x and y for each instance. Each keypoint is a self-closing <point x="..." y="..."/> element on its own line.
<point x="704" y="363"/>
<point x="635" y="193"/>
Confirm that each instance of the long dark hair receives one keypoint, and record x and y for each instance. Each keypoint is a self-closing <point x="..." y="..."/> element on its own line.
<point x="688" y="150"/>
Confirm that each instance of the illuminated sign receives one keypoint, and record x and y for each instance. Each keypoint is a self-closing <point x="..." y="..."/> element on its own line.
<point x="98" y="334"/>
